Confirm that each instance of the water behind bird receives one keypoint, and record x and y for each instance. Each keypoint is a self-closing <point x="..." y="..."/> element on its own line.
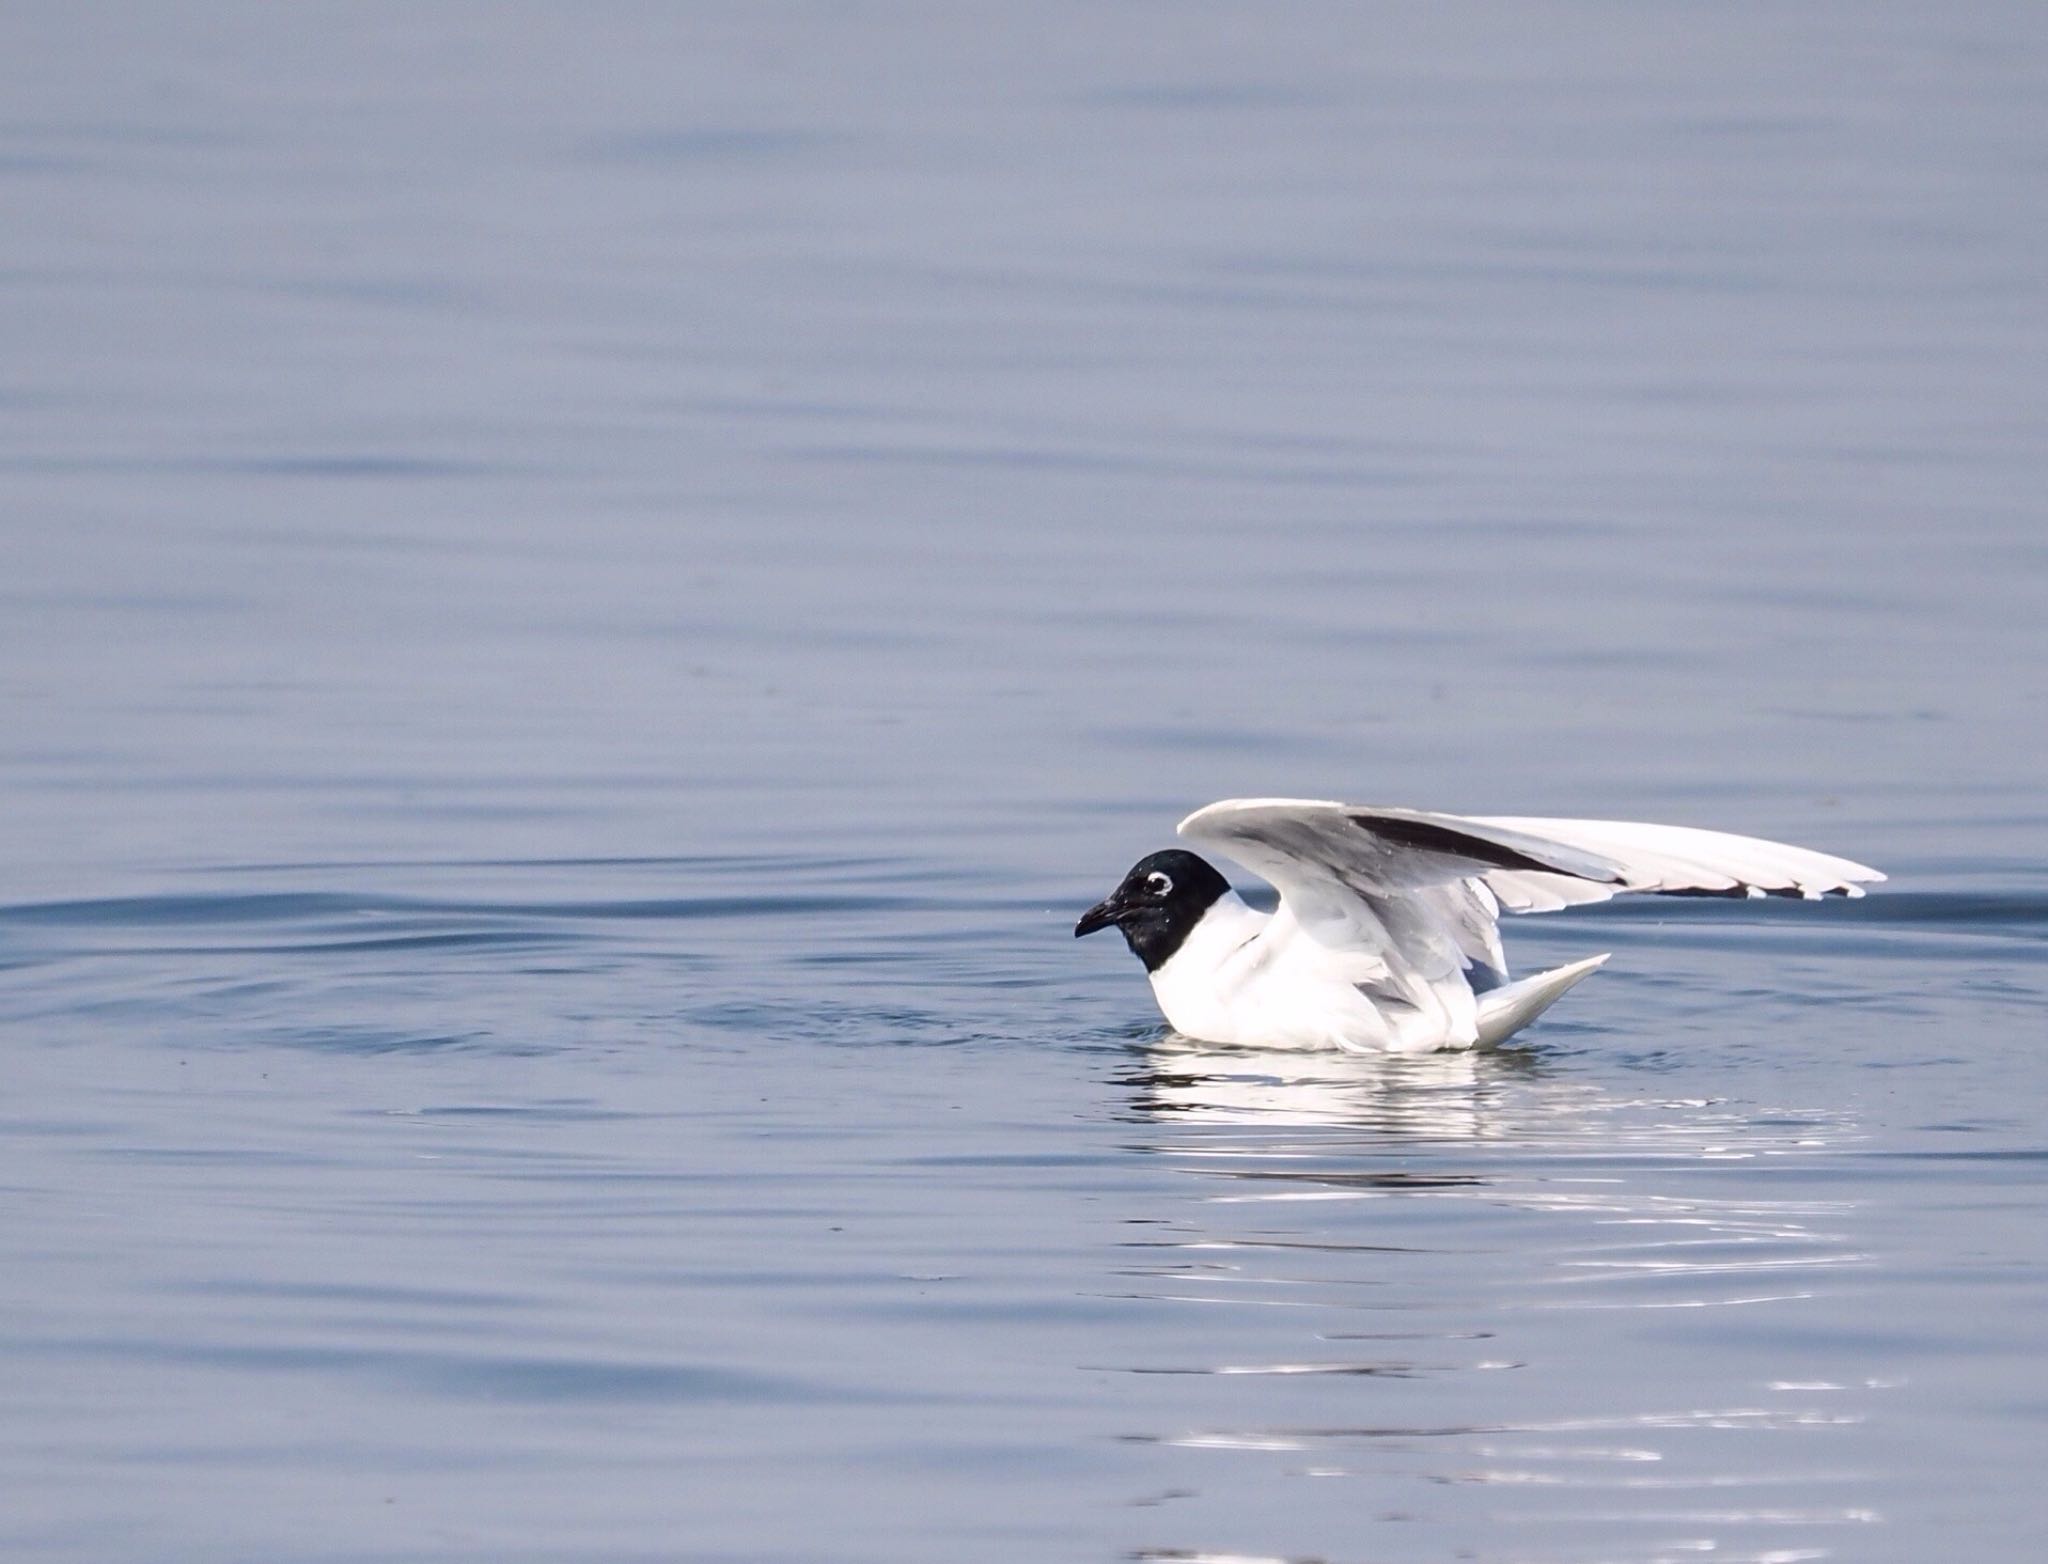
<point x="587" y="599"/>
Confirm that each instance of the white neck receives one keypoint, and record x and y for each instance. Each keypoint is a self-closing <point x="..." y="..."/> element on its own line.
<point x="1186" y="985"/>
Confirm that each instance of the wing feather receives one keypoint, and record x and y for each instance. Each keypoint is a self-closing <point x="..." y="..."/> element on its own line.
<point x="1530" y="864"/>
<point x="1400" y="887"/>
<point x="1307" y="840"/>
<point x="1677" y="860"/>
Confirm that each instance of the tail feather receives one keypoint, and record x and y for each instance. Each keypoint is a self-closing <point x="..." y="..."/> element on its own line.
<point x="1504" y="1011"/>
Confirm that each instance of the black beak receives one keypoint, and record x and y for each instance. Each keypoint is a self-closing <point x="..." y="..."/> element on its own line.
<point x="1103" y="915"/>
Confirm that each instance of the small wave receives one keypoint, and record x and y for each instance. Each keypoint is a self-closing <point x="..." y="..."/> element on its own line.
<point x="298" y="906"/>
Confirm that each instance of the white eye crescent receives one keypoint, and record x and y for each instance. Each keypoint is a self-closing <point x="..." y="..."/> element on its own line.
<point x="1158" y="884"/>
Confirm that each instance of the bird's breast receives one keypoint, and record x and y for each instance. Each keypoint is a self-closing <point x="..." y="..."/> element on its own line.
<point x="1245" y="978"/>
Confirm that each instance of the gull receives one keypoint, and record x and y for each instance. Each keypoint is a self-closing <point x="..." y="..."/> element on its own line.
<point x="1387" y="937"/>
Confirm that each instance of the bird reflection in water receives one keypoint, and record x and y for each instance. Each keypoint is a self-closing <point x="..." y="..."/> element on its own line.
<point x="1472" y="1095"/>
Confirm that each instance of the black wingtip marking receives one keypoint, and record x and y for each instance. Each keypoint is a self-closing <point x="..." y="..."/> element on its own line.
<point x="1740" y="892"/>
<point x="1427" y="836"/>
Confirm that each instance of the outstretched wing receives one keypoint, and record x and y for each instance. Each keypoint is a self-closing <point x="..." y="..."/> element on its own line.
<point x="1421" y="884"/>
<point x="1670" y="860"/>
<point x="1396" y="883"/>
<point x="1306" y="847"/>
<point x="1290" y="840"/>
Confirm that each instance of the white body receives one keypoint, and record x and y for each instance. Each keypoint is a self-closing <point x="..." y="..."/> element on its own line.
<point x="1386" y="937"/>
<point x="1255" y="979"/>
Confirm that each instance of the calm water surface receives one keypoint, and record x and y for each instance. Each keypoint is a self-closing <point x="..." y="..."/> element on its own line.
<point x="586" y="593"/>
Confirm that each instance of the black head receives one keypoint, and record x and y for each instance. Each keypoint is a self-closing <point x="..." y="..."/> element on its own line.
<point x="1161" y="899"/>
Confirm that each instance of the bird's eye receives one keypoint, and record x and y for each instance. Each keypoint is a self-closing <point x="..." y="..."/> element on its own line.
<point x="1158" y="884"/>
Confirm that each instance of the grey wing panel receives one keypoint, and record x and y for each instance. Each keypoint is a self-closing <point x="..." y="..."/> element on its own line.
<point x="1392" y="881"/>
<point x="1301" y="841"/>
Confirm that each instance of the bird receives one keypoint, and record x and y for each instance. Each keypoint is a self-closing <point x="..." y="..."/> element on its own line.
<point x="1386" y="938"/>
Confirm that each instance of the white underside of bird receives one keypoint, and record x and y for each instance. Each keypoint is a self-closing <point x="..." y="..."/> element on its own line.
<point x="1386" y="938"/>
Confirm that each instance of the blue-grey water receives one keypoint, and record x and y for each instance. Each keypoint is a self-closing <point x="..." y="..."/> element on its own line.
<point x="587" y="591"/>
